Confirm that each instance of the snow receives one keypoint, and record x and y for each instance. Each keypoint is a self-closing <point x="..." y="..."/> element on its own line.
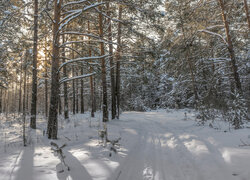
<point x="82" y="59"/>
<point x="159" y="145"/>
<point x="70" y="17"/>
<point x="215" y="34"/>
<point x="76" y="77"/>
<point x="74" y="3"/>
<point x="7" y="12"/>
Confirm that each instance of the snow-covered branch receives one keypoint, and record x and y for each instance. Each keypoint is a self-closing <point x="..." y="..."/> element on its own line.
<point x="76" y="13"/>
<point x="82" y="59"/>
<point x="70" y="17"/>
<point x="73" y="42"/>
<point x="81" y="34"/>
<point x="76" y="77"/>
<point x="214" y="34"/>
<point x="73" y="3"/>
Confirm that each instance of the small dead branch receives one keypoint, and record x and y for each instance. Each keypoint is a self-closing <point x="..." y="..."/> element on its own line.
<point x="243" y="144"/>
<point x="58" y="152"/>
<point x="67" y="138"/>
<point x="113" y="144"/>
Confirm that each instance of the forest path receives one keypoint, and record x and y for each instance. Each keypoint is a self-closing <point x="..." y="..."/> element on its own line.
<point x="170" y="148"/>
<point x="156" y="145"/>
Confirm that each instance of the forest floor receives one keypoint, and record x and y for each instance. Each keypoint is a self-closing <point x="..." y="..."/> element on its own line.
<point x="155" y="145"/>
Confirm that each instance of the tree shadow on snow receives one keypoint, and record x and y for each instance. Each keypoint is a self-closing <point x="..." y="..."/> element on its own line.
<point x="26" y="164"/>
<point x="77" y="170"/>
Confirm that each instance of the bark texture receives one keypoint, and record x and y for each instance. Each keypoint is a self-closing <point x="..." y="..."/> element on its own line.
<point x="112" y="71"/>
<point x="103" y="67"/>
<point x="82" y="96"/>
<point x="65" y="85"/>
<point x="53" y="111"/>
<point x="91" y="78"/>
<point x="34" y="70"/>
<point x="118" y="59"/>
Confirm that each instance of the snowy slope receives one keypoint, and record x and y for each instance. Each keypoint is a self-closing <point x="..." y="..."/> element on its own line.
<point x="154" y="145"/>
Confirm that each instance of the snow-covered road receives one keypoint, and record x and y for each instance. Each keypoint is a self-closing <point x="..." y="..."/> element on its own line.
<point x="154" y="146"/>
<point x="169" y="148"/>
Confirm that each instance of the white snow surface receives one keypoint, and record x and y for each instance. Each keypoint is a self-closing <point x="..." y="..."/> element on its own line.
<point x="156" y="145"/>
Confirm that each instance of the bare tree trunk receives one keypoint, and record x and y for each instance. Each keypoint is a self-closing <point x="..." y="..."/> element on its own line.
<point x="230" y="47"/>
<point x="34" y="69"/>
<point x="112" y="72"/>
<point x="6" y="102"/>
<point x="20" y="88"/>
<point x="1" y="95"/>
<point x="16" y="91"/>
<point x="74" y="90"/>
<point x="247" y="13"/>
<point x="12" y="99"/>
<point x="91" y="79"/>
<point x="24" y="96"/>
<point x="65" y="85"/>
<point x="46" y="79"/>
<point x="46" y="93"/>
<point x="94" y="91"/>
<point x="59" y="103"/>
<point x="103" y="67"/>
<point x="53" y="121"/>
<point x="118" y="58"/>
<point x="77" y="93"/>
<point x="28" y="91"/>
<point x="82" y="96"/>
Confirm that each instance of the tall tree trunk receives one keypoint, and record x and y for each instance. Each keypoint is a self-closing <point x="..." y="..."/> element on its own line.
<point x="103" y="67"/>
<point x="94" y="91"/>
<point x="24" y="97"/>
<point x="73" y="82"/>
<point x="247" y="13"/>
<point x="73" y="90"/>
<point x="20" y="88"/>
<point x="65" y="85"/>
<point x="16" y="91"/>
<point x="53" y="121"/>
<point x="82" y="96"/>
<point x="6" y="102"/>
<point x="118" y="58"/>
<point x="34" y="69"/>
<point x="28" y="91"/>
<point x="91" y="78"/>
<point x="46" y="79"/>
<point x="12" y="98"/>
<point x="59" y="103"/>
<point x="77" y="93"/>
<point x="1" y="95"/>
<point x="112" y="72"/>
<point x="230" y="48"/>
